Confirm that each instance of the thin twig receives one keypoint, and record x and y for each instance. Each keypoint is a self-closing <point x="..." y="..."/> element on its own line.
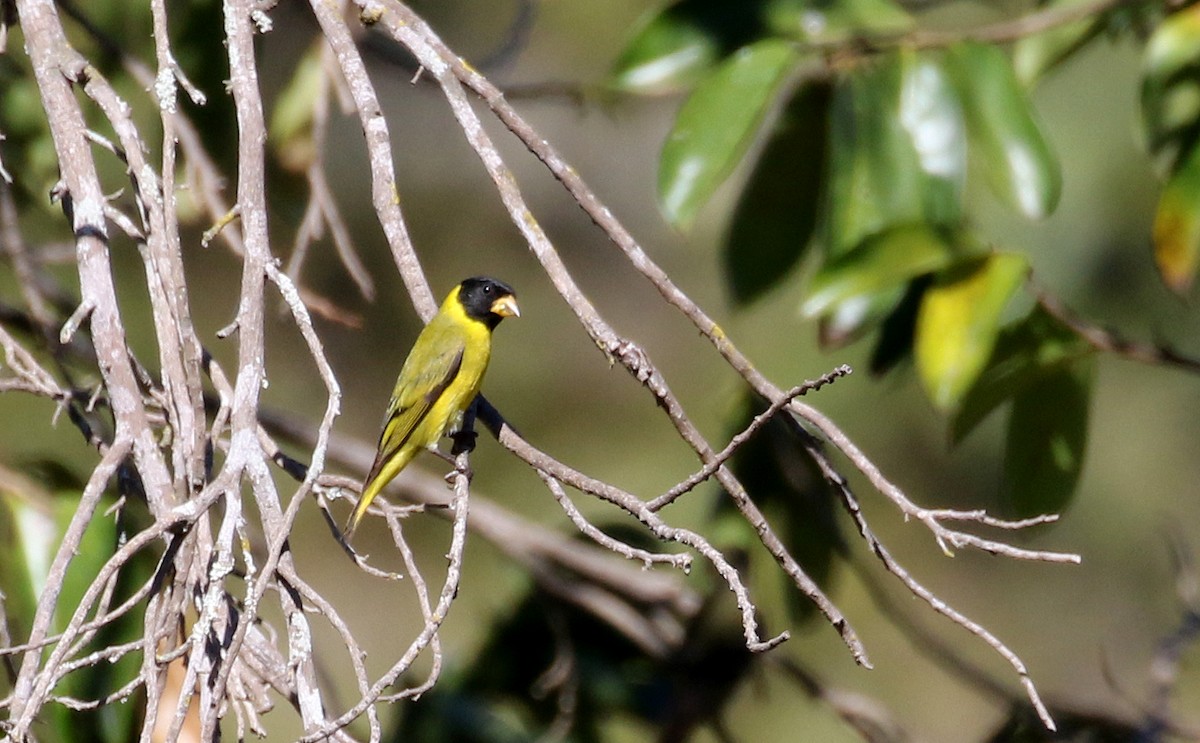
<point x="1107" y="341"/>
<point x="741" y="438"/>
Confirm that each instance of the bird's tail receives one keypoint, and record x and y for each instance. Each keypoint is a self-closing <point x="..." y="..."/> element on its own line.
<point x="382" y="473"/>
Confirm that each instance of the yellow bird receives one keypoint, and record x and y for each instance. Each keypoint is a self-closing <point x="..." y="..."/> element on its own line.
<point x="439" y="380"/>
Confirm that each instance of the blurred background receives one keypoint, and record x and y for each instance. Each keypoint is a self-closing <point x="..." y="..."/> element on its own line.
<point x="1088" y="633"/>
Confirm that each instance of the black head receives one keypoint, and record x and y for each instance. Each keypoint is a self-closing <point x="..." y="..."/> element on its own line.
<point x="488" y="300"/>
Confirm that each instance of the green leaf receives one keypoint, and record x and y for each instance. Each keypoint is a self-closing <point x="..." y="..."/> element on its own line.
<point x="959" y="321"/>
<point x="27" y="148"/>
<point x="897" y="152"/>
<point x="834" y="20"/>
<point x="874" y="181"/>
<point x="881" y="263"/>
<point x="848" y="320"/>
<point x="97" y="545"/>
<point x="777" y="212"/>
<point x="1025" y="351"/>
<point x="29" y="534"/>
<point x="1021" y="168"/>
<point x="32" y="522"/>
<point x="674" y="48"/>
<point x="290" y="132"/>
<point x="931" y="114"/>
<point x="1036" y="54"/>
<point x="716" y="125"/>
<point x="1170" y="89"/>
<point x="1047" y="439"/>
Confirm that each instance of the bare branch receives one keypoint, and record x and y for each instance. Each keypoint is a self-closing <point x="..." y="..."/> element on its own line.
<point x="384" y="191"/>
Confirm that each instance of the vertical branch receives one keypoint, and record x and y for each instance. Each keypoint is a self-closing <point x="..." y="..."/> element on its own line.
<point x="246" y="454"/>
<point x="178" y="347"/>
<point x="55" y="65"/>
<point x="384" y="192"/>
<point x="189" y="411"/>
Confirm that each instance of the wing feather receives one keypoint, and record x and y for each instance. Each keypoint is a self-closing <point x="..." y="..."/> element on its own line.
<point x="414" y="396"/>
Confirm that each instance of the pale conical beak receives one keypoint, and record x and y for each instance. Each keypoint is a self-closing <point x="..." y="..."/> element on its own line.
<point x="506" y="306"/>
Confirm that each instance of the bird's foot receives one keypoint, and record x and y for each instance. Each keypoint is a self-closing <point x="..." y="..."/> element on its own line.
<point x="464" y="440"/>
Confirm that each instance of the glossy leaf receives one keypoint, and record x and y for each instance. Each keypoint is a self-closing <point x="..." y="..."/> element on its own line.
<point x="874" y="181"/>
<point x="897" y="151"/>
<point x="959" y="321"/>
<point x="1170" y="89"/>
<point x="1036" y="54"/>
<point x="716" y="125"/>
<point x="777" y="211"/>
<point x="882" y="263"/>
<point x="1025" y="350"/>
<point x="931" y="114"/>
<point x="850" y="319"/>
<point x="832" y="20"/>
<point x="1046" y="442"/>
<point x="675" y="47"/>
<point x="1016" y="157"/>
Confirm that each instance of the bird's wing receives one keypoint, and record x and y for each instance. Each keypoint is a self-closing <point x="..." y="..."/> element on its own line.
<point x="416" y="392"/>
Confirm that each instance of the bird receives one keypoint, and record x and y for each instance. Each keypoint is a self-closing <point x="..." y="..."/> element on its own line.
<point x="439" y="380"/>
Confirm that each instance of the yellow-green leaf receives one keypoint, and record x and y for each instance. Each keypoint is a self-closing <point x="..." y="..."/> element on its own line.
<point x="1177" y="227"/>
<point x="716" y="125"/>
<point x="1171" y="120"/>
<point x="959" y="321"/>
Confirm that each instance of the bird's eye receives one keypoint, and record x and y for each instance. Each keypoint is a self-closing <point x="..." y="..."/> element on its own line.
<point x="487" y="290"/>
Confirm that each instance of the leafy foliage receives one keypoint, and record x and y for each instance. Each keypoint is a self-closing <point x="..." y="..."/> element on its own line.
<point x="867" y="163"/>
